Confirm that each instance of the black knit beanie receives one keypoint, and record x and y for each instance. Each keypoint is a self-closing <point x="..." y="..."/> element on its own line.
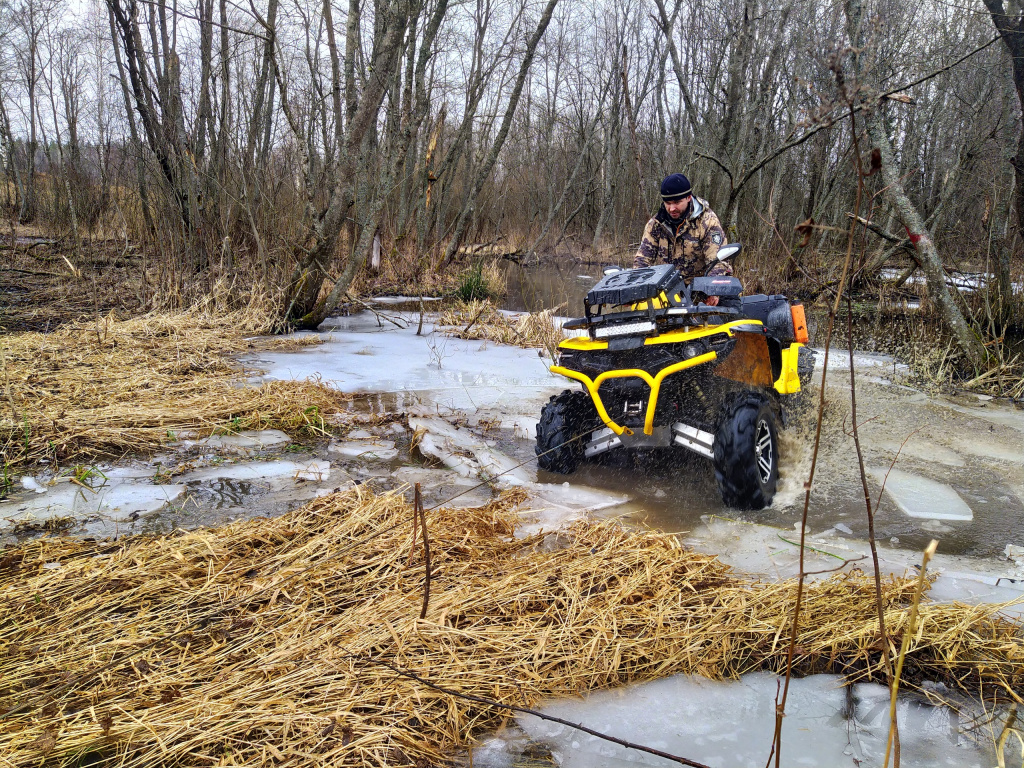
<point x="674" y="187"/>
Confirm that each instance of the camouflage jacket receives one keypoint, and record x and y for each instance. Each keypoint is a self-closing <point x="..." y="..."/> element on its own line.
<point x="691" y="247"/>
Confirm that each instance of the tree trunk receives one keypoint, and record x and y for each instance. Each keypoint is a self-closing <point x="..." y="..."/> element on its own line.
<point x="484" y="170"/>
<point x="966" y="337"/>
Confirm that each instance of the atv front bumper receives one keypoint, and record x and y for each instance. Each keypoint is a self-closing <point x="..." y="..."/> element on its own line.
<point x="746" y="360"/>
<point x="654" y="382"/>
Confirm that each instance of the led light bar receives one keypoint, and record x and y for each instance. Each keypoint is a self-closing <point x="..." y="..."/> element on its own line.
<point x="622" y="330"/>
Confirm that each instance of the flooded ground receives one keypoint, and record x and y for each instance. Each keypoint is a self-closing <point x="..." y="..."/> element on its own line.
<point x="458" y="417"/>
<point x="959" y="476"/>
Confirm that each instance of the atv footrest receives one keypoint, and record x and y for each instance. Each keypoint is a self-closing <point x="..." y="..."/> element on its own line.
<point x="601" y="441"/>
<point x="697" y="440"/>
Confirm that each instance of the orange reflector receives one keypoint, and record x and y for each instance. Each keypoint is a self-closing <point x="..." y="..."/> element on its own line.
<point x="799" y="323"/>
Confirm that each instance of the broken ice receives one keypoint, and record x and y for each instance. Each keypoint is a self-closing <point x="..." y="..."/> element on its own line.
<point x="920" y="497"/>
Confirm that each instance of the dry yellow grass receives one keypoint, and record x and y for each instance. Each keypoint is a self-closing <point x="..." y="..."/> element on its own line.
<point x="108" y="387"/>
<point x="261" y="643"/>
<point x="482" y="320"/>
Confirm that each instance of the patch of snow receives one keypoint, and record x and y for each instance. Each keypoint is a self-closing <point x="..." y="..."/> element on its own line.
<point x="523" y="427"/>
<point x="30" y="484"/>
<point x="843" y="528"/>
<point x="1014" y="553"/>
<point x="920" y="497"/>
<point x="359" y="434"/>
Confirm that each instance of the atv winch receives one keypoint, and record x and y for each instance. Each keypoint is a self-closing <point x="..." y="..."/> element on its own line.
<point x="660" y="367"/>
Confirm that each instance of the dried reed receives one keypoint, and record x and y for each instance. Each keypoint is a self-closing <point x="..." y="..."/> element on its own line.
<point x="108" y="387"/>
<point x="482" y="320"/>
<point x="255" y="643"/>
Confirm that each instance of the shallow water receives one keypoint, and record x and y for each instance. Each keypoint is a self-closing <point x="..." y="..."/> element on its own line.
<point x="973" y="449"/>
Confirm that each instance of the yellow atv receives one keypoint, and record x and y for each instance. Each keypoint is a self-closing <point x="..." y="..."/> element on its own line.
<point x="661" y="368"/>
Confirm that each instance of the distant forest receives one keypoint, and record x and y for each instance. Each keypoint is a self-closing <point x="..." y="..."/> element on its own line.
<point x="287" y="141"/>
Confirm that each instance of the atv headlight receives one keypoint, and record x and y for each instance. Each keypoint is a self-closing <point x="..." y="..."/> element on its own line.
<point x="624" y="329"/>
<point x="692" y="350"/>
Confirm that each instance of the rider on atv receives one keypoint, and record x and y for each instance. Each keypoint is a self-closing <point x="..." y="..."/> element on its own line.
<point x="685" y="232"/>
<point x="674" y="356"/>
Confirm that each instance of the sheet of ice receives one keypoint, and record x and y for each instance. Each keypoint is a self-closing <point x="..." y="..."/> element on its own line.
<point x="764" y="550"/>
<point x="115" y="500"/>
<point x="443" y="486"/>
<point x="369" y="450"/>
<point x="318" y="471"/>
<point x="467" y="453"/>
<point x="976" y="588"/>
<point x="245" y="442"/>
<point x="1006" y="416"/>
<point x="523" y="427"/>
<point x="925" y="450"/>
<point x="550" y="505"/>
<point x="920" y="497"/>
<point x="989" y="449"/>
<point x="400" y="300"/>
<point x="359" y="356"/>
<point x="839" y="360"/>
<point x="731" y="724"/>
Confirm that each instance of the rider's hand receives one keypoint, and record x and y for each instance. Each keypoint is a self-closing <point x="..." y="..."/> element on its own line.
<point x="711" y="301"/>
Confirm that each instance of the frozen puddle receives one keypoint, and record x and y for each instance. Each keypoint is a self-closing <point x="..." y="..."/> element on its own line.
<point x="116" y="500"/>
<point x="471" y="456"/>
<point x="731" y="724"/>
<point x="275" y="472"/>
<point x="918" y="496"/>
<point x="243" y="442"/>
<point x="369" y="450"/>
<point x="360" y="355"/>
<point x="126" y="494"/>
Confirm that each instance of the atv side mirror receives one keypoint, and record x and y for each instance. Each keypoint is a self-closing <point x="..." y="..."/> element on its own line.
<point x="726" y="252"/>
<point x="610" y="270"/>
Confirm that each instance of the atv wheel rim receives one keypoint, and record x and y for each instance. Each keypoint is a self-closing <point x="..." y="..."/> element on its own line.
<point x="763" y="454"/>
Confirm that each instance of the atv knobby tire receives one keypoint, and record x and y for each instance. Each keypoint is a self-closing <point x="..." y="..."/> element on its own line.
<point x="566" y="416"/>
<point x="747" y="451"/>
<point x="804" y="366"/>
